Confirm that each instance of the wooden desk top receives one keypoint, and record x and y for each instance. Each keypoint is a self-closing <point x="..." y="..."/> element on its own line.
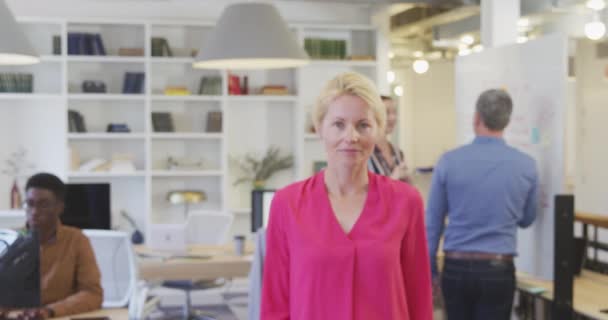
<point x="590" y="292"/>
<point x="199" y="263"/>
<point x="113" y="314"/>
<point x="593" y="219"/>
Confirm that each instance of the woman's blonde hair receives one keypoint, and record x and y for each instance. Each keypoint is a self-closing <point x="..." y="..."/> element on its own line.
<point x="349" y="83"/>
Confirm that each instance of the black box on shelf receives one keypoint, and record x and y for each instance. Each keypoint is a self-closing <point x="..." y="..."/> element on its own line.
<point x="133" y="82"/>
<point x="76" y="122"/>
<point x="93" y="86"/>
<point x="118" y="127"/>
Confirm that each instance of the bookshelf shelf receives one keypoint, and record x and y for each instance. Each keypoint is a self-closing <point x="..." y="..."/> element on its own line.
<point x="343" y="63"/>
<point x="51" y="58"/>
<point x="28" y="96"/>
<point x="177" y="60"/>
<point x="106" y="96"/>
<point x="181" y="174"/>
<point x="106" y="136"/>
<point x="187" y="136"/>
<point x="105" y="59"/>
<point x="262" y="98"/>
<point x="160" y="97"/>
<point x="92" y="175"/>
<point x="311" y="136"/>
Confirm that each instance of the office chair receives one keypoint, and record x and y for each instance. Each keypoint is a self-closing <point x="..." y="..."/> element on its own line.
<point x="116" y="261"/>
<point x="208" y="228"/>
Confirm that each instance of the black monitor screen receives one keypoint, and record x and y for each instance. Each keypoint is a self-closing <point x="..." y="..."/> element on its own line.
<point x="87" y="206"/>
<point x="20" y="274"/>
<point x="260" y="208"/>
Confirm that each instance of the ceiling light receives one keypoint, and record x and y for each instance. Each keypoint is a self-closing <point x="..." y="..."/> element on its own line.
<point x="418" y="54"/>
<point x="522" y="39"/>
<point x="398" y="91"/>
<point x="251" y="36"/>
<point x="467" y="39"/>
<point x="595" y="30"/>
<point x="420" y="66"/>
<point x="390" y="76"/>
<point x="477" y="48"/>
<point x="391" y="55"/>
<point x="596" y="5"/>
<point x="15" y="49"/>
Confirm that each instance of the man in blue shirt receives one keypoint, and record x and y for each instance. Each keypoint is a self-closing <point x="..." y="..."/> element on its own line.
<point x="487" y="189"/>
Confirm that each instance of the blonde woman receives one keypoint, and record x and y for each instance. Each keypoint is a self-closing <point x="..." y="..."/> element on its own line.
<point x="347" y="243"/>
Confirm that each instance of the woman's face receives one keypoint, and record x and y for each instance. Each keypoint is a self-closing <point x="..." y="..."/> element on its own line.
<point x="349" y="131"/>
<point x="391" y="115"/>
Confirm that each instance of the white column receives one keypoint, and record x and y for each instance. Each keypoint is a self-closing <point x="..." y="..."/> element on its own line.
<point x="499" y="22"/>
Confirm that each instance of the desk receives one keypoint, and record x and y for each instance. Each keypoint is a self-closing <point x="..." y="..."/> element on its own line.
<point x="589" y="297"/>
<point x="220" y="262"/>
<point x="113" y="314"/>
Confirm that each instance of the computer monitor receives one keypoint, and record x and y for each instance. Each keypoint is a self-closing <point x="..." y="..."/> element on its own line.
<point x="260" y="208"/>
<point x="87" y="206"/>
<point x="20" y="273"/>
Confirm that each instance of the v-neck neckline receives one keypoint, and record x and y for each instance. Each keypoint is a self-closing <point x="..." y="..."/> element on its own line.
<point x="325" y="197"/>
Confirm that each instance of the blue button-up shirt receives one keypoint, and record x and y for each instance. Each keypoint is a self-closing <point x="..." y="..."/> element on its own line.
<point x="487" y="189"/>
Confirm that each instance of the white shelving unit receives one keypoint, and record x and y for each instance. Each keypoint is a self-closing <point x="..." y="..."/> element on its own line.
<point x="250" y="123"/>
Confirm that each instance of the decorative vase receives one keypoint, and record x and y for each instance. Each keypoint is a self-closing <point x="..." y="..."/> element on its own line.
<point x="259" y="184"/>
<point x="15" y="196"/>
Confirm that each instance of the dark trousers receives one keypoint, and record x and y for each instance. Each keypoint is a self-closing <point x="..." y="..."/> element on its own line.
<point x="478" y="289"/>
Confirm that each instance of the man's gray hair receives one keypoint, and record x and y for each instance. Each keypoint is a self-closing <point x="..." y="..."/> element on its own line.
<point x="494" y="107"/>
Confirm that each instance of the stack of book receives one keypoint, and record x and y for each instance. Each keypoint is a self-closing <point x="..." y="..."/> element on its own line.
<point x="80" y="43"/>
<point x="177" y="91"/>
<point x="210" y="86"/>
<point x="274" y="90"/>
<point x="160" y="48"/>
<point x="131" y="52"/>
<point x="325" y="48"/>
<point x="16" y="82"/>
<point x="234" y="85"/>
<point x="133" y="82"/>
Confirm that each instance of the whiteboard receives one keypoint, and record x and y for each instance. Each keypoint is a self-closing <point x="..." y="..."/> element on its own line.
<point x="534" y="74"/>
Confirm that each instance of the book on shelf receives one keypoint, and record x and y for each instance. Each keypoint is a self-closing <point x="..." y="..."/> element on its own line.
<point x="234" y="85"/>
<point x="274" y="90"/>
<point x="177" y="91"/>
<point x="56" y="45"/>
<point x="160" y="47"/>
<point x="133" y="82"/>
<point x="325" y="48"/>
<point x="118" y="127"/>
<point x="76" y="122"/>
<point x="361" y="57"/>
<point x="210" y="86"/>
<point x="131" y="52"/>
<point x="162" y="122"/>
<point x="17" y="82"/>
<point x="81" y="43"/>
<point x="214" y="121"/>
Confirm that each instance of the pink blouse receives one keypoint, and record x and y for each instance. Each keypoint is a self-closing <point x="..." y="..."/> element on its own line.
<point x="313" y="270"/>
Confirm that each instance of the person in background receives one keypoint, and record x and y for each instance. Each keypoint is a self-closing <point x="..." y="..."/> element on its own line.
<point x="70" y="277"/>
<point x="387" y="159"/>
<point x="487" y="189"/>
<point x="347" y="243"/>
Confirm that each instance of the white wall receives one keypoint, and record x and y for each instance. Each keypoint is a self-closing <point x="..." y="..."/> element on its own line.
<point x="428" y="115"/>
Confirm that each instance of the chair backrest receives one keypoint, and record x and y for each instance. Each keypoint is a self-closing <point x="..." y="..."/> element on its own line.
<point x="7" y="237"/>
<point x="208" y="227"/>
<point x="116" y="261"/>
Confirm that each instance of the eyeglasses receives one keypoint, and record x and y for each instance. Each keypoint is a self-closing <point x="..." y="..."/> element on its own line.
<point x="42" y="205"/>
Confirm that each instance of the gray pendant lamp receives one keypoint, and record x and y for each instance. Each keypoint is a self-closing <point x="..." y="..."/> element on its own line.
<point x="15" y="48"/>
<point x="250" y="35"/>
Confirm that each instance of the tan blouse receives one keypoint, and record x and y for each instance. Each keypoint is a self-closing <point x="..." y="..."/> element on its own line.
<point x="70" y="277"/>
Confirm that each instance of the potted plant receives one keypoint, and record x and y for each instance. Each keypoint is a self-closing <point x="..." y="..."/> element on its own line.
<point x="258" y="170"/>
